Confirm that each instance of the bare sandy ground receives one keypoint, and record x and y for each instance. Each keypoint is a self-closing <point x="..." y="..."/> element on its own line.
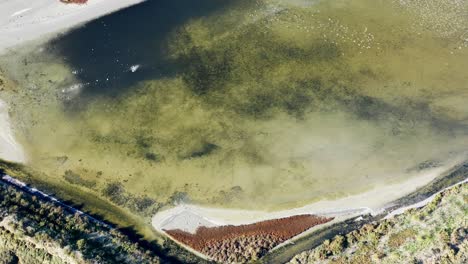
<point x="24" y="20"/>
<point x="188" y="217"/>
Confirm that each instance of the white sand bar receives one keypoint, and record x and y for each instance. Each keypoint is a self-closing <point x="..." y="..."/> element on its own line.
<point x="373" y="201"/>
<point x="24" y="20"/>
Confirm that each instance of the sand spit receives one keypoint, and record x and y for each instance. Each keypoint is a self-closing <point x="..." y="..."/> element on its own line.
<point x="245" y="242"/>
<point x="189" y="223"/>
<point x="372" y="201"/>
<point x="23" y="20"/>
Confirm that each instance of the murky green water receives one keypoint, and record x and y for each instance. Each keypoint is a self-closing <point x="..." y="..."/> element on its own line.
<point x="273" y="104"/>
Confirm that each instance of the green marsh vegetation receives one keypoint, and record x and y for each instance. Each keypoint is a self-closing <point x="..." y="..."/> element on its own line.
<point x="274" y="104"/>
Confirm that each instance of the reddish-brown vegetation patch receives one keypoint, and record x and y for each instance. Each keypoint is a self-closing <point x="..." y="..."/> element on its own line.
<point x="74" y="1"/>
<point x="245" y="242"/>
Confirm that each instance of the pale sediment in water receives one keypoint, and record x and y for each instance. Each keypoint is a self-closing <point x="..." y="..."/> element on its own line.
<point x="10" y="149"/>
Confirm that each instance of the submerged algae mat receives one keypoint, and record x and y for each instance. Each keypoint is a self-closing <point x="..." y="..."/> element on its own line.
<point x="272" y="104"/>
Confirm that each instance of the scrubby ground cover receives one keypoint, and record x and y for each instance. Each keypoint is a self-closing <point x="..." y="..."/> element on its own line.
<point x="436" y="233"/>
<point x="36" y="231"/>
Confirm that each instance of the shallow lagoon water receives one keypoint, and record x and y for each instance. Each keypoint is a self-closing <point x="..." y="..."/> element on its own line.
<point x="246" y="104"/>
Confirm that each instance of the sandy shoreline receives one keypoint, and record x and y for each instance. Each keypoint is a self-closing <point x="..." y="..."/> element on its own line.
<point x="23" y="20"/>
<point x="188" y="217"/>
